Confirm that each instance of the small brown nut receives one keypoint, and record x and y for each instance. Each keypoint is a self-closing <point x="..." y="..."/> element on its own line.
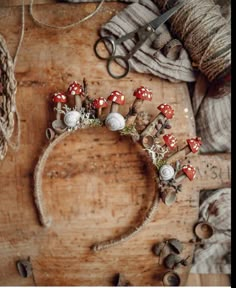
<point x="24" y="268"/>
<point x="175" y="245"/>
<point x="158" y="248"/>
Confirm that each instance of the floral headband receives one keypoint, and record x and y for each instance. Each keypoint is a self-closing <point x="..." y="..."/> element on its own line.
<point x="137" y="124"/>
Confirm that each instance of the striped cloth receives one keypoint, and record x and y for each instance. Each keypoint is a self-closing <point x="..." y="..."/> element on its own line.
<point x="213" y="118"/>
<point x="215" y="255"/>
<point x="148" y="59"/>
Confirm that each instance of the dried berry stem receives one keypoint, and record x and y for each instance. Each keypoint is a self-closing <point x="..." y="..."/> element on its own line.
<point x="150" y="129"/>
<point x="133" y="112"/>
<point x="130" y="233"/>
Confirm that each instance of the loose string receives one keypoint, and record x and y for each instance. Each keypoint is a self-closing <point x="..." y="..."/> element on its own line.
<point x="66" y="26"/>
<point x="9" y="108"/>
<point x="44" y="218"/>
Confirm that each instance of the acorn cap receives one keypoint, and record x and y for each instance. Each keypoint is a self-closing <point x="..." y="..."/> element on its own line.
<point x="175" y="245"/>
<point x="168" y="197"/>
<point x="171" y="278"/>
<point x="204" y="230"/>
<point x="147" y="141"/>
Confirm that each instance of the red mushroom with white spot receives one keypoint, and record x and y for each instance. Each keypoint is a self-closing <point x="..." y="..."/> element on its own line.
<point x="98" y="104"/>
<point x="141" y="94"/>
<point x="170" y="141"/>
<point x="117" y="98"/>
<point x="187" y="171"/>
<point x="158" y="123"/>
<point x="59" y="98"/>
<point x="76" y="90"/>
<point x="193" y="145"/>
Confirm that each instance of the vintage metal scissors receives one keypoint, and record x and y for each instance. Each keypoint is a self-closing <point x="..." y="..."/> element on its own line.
<point x="142" y="33"/>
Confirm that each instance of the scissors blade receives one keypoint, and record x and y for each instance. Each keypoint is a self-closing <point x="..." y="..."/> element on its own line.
<point x="164" y="17"/>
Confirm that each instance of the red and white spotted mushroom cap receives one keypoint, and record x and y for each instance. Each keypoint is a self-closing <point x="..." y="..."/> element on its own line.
<point x="190" y="171"/>
<point x="194" y="144"/>
<point x="100" y="102"/>
<point x="170" y="141"/>
<point x="143" y="93"/>
<point x="117" y="97"/>
<point x="74" y="89"/>
<point x="59" y="98"/>
<point x="166" y="110"/>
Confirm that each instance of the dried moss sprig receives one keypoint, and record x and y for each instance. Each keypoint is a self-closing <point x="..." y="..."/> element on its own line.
<point x="157" y="154"/>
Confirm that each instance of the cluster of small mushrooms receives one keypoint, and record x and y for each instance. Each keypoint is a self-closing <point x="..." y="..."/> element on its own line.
<point x="137" y="123"/>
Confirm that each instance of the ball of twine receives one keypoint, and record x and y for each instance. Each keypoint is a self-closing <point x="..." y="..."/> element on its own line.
<point x="205" y="33"/>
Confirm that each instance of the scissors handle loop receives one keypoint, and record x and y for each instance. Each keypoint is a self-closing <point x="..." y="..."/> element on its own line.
<point x="105" y="47"/>
<point x="123" y="61"/>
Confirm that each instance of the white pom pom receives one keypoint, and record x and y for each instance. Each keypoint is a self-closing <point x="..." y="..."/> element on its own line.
<point x="71" y="118"/>
<point x="166" y="172"/>
<point x="115" y="121"/>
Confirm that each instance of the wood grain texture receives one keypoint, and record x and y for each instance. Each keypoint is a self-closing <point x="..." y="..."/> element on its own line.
<point x="209" y="280"/>
<point x="96" y="184"/>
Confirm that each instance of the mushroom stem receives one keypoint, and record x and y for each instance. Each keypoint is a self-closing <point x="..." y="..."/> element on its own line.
<point x="114" y="107"/>
<point x="78" y="102"/>
<point x="180" y="154"/>
<point x="133" y="112"/>
<point x="180" y="178"/>
<point x="151" y="128"/>
<point x="58" y="115"/>
<point x="99" y="112"/>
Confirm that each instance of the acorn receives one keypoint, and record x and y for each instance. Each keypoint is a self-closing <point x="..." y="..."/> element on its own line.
<point x="158" y="248"/>
<point x="171" y="260"/>
<point x="175" y="245"/>
<point x="24" y="268"/>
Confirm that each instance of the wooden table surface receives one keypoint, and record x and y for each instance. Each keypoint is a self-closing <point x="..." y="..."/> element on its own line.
<point x="96" y="184"/>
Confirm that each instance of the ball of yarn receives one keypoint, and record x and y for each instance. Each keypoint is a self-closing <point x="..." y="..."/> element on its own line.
<point x="205" y="34"/>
